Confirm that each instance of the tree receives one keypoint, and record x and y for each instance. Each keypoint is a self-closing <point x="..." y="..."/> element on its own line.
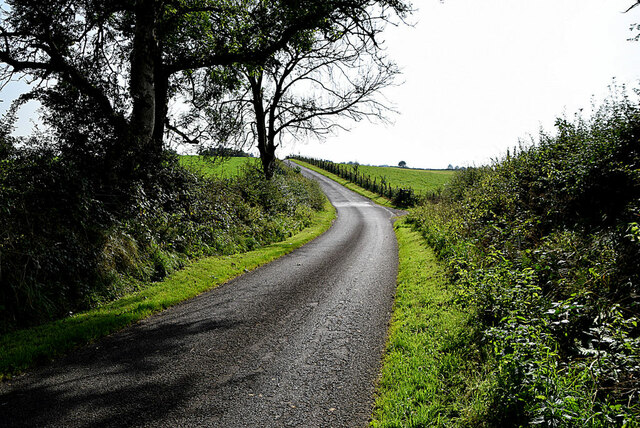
<point x="402" y="164"/>
<point x="303" y="89"/>
<point x="128" y="58"/>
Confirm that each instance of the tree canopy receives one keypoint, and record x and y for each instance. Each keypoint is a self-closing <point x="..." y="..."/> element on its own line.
<point x="125" y="59"/>
<point x="302" y="90"/>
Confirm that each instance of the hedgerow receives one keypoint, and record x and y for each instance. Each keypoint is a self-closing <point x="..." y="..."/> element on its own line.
<point x="399" y="196"/>
<point x="70" y="240"/>
<point x="545" y="245"/>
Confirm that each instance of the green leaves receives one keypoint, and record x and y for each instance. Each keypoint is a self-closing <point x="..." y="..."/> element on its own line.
<point x="63" y="249"/>
<point x="544" y="245"/>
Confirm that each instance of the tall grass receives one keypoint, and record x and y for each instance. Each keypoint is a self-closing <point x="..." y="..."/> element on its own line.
<point x="433" y="369"/>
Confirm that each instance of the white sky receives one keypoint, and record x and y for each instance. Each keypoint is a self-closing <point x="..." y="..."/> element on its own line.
<point x="481" y="74"/>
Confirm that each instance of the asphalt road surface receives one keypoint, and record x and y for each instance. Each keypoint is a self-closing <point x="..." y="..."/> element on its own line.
<point x="298" y="342"/>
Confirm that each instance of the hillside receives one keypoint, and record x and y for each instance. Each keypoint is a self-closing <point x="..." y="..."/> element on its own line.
<point x="421" y="181"/>
<point x="216" y="167"/>
<point x="403" y="187"/>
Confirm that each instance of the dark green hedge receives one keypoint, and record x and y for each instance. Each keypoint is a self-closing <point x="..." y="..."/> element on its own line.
<point x="68" y="241"/>
<point x="545" y="244"/>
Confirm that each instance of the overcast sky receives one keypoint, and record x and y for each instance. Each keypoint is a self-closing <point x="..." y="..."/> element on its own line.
<point x="481" y="74"/>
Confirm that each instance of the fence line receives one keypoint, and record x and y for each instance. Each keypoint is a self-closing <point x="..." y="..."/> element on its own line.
<point x="400" y="196"/>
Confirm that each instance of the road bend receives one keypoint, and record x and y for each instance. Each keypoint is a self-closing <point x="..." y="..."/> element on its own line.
<point x="297" y="342"/>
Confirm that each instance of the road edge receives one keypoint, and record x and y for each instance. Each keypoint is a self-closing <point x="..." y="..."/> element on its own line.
<point x="24" y="349"/>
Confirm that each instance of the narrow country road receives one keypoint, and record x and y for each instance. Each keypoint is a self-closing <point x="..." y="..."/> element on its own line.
<point x="295" y="343"/>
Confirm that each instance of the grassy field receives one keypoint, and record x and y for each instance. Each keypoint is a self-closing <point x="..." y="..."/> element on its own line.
<point x="402" y="186"/>
<point x="420" y="180"/>
<point x="351" y="186"/>
<point x="224" y="168"/>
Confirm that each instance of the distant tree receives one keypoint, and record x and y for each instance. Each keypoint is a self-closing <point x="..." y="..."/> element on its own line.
<point x="450" y="166"/>
<point x="222" y="152"/>
<point x="402" y="164"/>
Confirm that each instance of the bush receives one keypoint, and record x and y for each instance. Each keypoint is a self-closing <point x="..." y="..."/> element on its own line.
<point x="544" y="244"/>
<point x="66" y="245"/>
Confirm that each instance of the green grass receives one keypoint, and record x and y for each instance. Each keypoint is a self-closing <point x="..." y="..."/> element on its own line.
<point x="349" y="185"/>
<point x="431" y="375"/>
<point x="23" y="349"/>
<point x="218" y="167"/>
<point x="421" y="181"/>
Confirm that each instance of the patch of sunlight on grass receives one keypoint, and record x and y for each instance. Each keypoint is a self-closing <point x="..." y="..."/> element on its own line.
<point x="217" y="167"/>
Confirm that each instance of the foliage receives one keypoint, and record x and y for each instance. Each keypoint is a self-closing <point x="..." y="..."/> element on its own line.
<point x="222" y="152"/>
<point x="129" y="59"/>
<point x="66" y="247"/>
<point x="24" y="348"/>
<point x="545" y="246"/>
<point x="320" y="75"/>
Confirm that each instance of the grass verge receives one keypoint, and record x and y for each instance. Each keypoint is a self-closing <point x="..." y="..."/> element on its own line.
<point x="349" y="185"/>
<point x="433" y="372"/>
<point x="432" y="375"/>
<point x="23" y="349"/>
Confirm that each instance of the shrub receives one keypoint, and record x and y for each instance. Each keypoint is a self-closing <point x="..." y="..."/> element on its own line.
<point x="66" y="245"/>
<point x="544" y="245"/>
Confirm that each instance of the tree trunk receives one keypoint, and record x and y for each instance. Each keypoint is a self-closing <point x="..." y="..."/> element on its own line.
<point x="268" y="158"/>
<point x="266" y="145"/>
<point x="143" y="86"/>
<point x="161" y="99"/>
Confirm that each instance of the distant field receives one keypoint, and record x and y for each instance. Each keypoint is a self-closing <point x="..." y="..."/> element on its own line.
<point x="421" y="181"/>
<point x="219" y="167"/>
